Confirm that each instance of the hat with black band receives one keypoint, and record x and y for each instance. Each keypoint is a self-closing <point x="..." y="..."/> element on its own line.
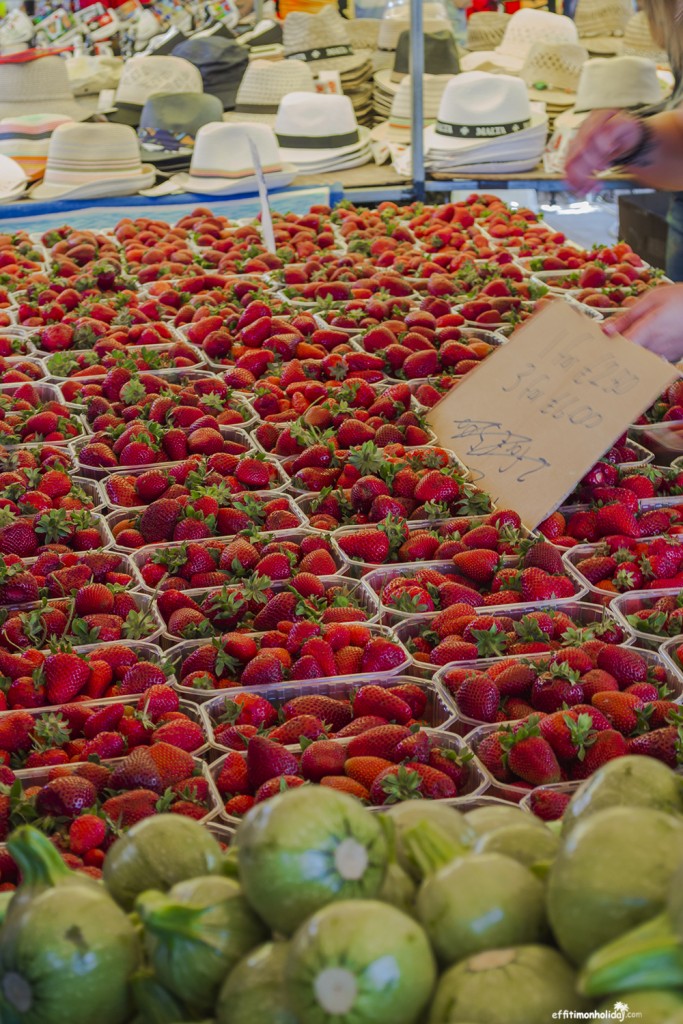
<point x="302" y="127"/>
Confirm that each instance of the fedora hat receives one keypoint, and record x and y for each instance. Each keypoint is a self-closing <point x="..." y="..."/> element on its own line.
<point x="88" y="161"/>
<point x="552" y="72"/>
<point x="169" y="124"/>
<point x="320" y="131"/>
<point x="440" y="56"/>
<point x="485" y="30"/>
<point x="264" y="85"/>
<point x="397" y="20"/>
<point x="623" y="82"/>
<point x="323" y="41"/>
<point x="39" y="86"/>
<point x="221" y="62"/>
<point x="142" y="77"/>
<point x="600" y="23"/>
<point x="525" y="27"/>
<point x="480" y="113"/>
<point x="398" y="125"/>
<point x="638" y="41"/>
<point x="223" y="163"/>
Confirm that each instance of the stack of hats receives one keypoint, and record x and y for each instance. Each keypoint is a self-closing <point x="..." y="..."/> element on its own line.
<point x="221" y="62"/>
<point x="440" y="59"/>
<point x="93" y="161"/>
<point x="323" y="42"/>
<point x="142" y="77"/>
<point x="26" y="139"/>
<point x="319" y="133"/>
<point x="169" y="124"/>
<point x="552" y="74"/>
<point x="485" y="124"/>
<point x="223" y="161"/>
<point x="397" y="20"/>
<point x="396" y="131"/>
<point x="38" y="86"/>
<point x="264" y="40"/>
<point x="638" y="41"/>
<point x="601" y="24"/>
<point x="525" y="27"/>
<point x="606" y="83"/>
<point x="264" y="85"/>
<point x="287" y="7"/>
<point x="485" y="30"/>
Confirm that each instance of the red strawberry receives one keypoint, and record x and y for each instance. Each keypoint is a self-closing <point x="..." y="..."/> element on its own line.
<point x="322" y="758"/>
<point x="379" y="742"/>
<point x="548" y="804"/>
<point x="530" y="757"/>
<point x="267" y="760"/>
<point x="376" y="700"/>
<point x="65" y="797"/>
<point x="233" y="777"/>
<point x="128" y="808"/>
<point x="479" y="698"/>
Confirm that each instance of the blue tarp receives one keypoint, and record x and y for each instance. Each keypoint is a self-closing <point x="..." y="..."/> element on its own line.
<point x="105" y="213"/>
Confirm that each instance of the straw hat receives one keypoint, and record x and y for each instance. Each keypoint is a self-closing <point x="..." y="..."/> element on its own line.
<point x="88" y="75"/>
<point x="552" y="72"/>
<point x="264" y="85"/>
<point x="363" y="33"/>
<point x="12" y="180"/>
<point x="525" y="27"/>
<point x="601" y="24"/>
<point x="323" y="41"/>
<point x="612" y="82"/>
<point x="320" y="132"/>
<point x="169" y="123"/>
<point x="397" y="20"/>
<point x="142" y="77"/>
<point x="88" y="161"/>
<point x="485" y="118"/>
<point x="222" y="63"/>
<point x="398" y="125"/>
<point x="38" y="87"/>
<point x="485" y="30"/>
<point x="16" y="30"/>
<point x="638" y="41"/>
<point x="223" y="163"/>
<point x="440" y="56"/>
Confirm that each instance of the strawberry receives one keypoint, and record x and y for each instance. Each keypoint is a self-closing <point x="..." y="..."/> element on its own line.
<point x="294" y="729"/>
<point x="65" y="797"/>
<point x="137" y="771"/>
<point x="267" y="760"/>
<point x="478" y="698"/>
<point x="174" y="765"/>
<point x="65" y="676"/>
<point x="336" y="713"/>
<point x="411" y="781"/>
<point x="379" y="742"/>
<point x="366" y="769"/>
<point x="128" y="808"/>
<point x="605" y="747"/>
<point x="375" y="700"/>
<point x="233" y="777"/>
<point x="530" y="757"/>
<point x="381" y="655"/>
<point x="237" y="806"/>
<point x="277" y="785"/>
<point x="664" y="744"/>
<point x="625" y="665"/>
<point x="620" y="708"/>
<point x="345" y="785"/>
<point x="322" y="758"/>
<point x="548" y="804"/>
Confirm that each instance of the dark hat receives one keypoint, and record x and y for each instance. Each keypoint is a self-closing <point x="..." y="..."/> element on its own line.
<point x="169" y="123"/>
<point x="221" y="63"/>
<point x="168" y="42"/>
<point x="441" y="55"/>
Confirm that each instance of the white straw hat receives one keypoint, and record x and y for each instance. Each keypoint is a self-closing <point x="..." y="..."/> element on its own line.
<point x="264" y="85"/>
<point x="638" y="41"/>
<point x="223" y="163"/>
<point x="142" y="77"/>
<point x="526" y="27"/>
<point x="398" y="125"/>
<point x="38" y="87"/>
<point x="602" y="17"/>
<point x="89" y="75"/>
<point x="319" y="129"/>
<point x="323" y="41"/>
<point x="617" y="82"/>
<point x="390" y="28"/>
<point x="552" y="72"/>
<point x="87" y="161"/>
<point x="485" y="30"/>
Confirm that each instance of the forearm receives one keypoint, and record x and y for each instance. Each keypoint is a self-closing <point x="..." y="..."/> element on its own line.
<point x="660" y="165"/>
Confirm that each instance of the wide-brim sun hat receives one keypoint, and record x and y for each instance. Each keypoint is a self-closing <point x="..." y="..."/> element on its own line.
<point x="478" y="109"/>
<point x="617" y="82"/>
<point x="39" y="86"/>
<point x="397" y="127"/>
<point x="87" y="161"/>
<point x="525" y="27"/>
<point x="601" y="24"/>
<point x="13" y="180"/>
<point x="223" y="164"/>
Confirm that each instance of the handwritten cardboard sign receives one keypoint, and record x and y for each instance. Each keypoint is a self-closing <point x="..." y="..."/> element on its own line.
<point x="540" y="411"/>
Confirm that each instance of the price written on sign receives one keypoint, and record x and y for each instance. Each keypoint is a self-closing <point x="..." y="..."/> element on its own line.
<point x="534" y="418"/>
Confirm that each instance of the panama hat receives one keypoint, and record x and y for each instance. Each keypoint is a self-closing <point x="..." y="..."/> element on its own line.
<point x="440" y="57"/>
<point x="142" y="77"/>
<point x="552" y="72"/>
<point x="222" y="63"/>
<point x="88" y="161"/>
<point x="320" y="131"/>
<point x="38" y="86"/>
<point x="323" y="41"/>
<point x="638" y="41"/>
<point x="485" y="30"/>
<point x="623" y="82"/>
<point x="13" y="180"/>
<point x="525" y="27"/>
<point x="264" y="85"/>
<point x="223" y="163"/>
<point x="169" y="124"/>
<point x="601" y="24"/>
<point x="89" y="75"/>
<point x="485" y="117"/>
<point x="398" y="125"/>
<point x="363" y="33"/>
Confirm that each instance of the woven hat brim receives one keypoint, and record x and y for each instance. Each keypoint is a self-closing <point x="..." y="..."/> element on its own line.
<point x="602" y="46"/>
<point x="497" y="61"/>
<point x="69" y="108"/>
<point x="444" y="142"/>
<point x="241" y="186"/>
<point x="314" y="156"/>
<point x="97" y="189"/>
<point x="553" y="97"/>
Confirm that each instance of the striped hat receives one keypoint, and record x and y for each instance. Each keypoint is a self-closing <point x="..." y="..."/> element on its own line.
<point x="87" y="161"/>
<point x="29" y="135"/>
<point x="264" y="85"/>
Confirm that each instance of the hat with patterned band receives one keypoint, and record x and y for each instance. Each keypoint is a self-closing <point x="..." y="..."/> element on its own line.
<point x="264" y="84"/>
<point x="323" y="41"/>
<point x="223" y="161"/>
<point x="169" y="124"/>
<point x="88" y="161"/>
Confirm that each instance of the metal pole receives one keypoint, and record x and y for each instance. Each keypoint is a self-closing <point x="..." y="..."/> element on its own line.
<point x="417" y="67"/>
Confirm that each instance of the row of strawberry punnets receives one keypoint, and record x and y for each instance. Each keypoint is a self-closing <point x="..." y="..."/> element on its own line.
<point x="323" y="589"/>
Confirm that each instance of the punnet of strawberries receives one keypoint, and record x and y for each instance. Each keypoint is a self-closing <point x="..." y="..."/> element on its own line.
<point x="84" y="372"/>
<point x="35" y="678"/>
<point x="144" y="443"/>
<point x="301" y="650"/>
<point x="27" y="489"/>
<point x="57" y="574"/>
<point x="56" y="529"/>
<point x="34" y="412"/>
<point x="620" y="563"/>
